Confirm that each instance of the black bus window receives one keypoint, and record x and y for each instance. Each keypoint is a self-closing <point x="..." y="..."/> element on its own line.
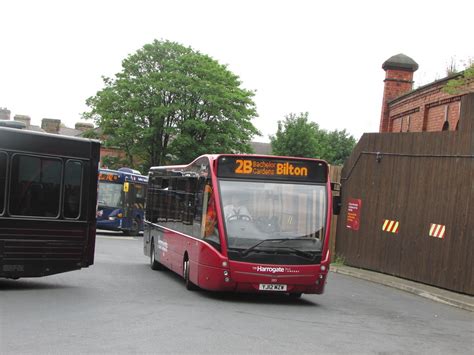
<point x="35" y="186"/>
<point x="72" y="189"/>
<point x="3" y="180"/>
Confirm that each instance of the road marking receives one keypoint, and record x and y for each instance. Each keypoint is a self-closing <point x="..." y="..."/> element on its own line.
<point x="119" y="238"/>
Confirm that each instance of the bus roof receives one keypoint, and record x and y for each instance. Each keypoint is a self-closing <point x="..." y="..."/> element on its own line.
<point x="45" y="134"/>
<point x="46" y="143"/>
<point x="254" y="166"/>
<point x="214" y="157"/>
<point x="127" y="176"/>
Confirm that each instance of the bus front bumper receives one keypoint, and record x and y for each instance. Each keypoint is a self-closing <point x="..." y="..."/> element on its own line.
<point x="112" y="225"/>
<point x="309" y="279"/>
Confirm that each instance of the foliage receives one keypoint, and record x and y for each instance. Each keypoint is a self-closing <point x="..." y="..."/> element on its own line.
<point x="297" y="136"/>
<point x="170" y="104"/>
<point x="456" y="85"/>
<point x="339" y="260"/>
<point x="114" y="163"/>
<point x="90" y="133"/>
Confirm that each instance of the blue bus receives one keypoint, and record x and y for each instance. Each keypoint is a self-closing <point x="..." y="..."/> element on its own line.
<point x="121" y="200"/>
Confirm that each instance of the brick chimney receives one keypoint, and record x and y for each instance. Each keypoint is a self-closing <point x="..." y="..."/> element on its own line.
<point x="23" y="118"/>
<point x="50" y="125"/>
<point x="399" y="71"/>
<point x="4" y="113"/>
<point x="84" y="126"/>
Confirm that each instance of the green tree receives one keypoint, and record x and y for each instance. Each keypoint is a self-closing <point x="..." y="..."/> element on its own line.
<point x="299" y="137"/>
<point x="170" y="104"/>
<point x="336" y="146"/>
<point x="296" y="136"/>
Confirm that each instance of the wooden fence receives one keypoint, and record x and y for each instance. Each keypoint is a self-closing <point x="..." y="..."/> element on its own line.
<point x="408" y="205"/>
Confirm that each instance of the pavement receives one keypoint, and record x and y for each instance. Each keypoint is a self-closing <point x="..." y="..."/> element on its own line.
<point x="436" y="294"/>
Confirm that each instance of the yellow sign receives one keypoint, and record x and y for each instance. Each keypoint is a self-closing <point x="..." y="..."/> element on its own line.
<point x="253" y="167"/>
<point x="125" y="186"/>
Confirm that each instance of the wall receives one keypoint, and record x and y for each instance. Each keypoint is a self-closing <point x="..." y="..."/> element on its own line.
<point x="425" y="109"/>
<point x="415" y="180"/>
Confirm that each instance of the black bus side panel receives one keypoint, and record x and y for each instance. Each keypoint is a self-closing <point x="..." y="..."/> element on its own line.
<point x="32" y="248"/>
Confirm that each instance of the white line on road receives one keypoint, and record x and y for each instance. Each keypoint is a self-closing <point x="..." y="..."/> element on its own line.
<point x="119" y="238"/>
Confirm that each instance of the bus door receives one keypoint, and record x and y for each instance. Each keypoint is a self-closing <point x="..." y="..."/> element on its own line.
<point x="134" y="203"/>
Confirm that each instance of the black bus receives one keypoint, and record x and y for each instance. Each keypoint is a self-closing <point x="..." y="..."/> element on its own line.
<point x="48" y="194"/>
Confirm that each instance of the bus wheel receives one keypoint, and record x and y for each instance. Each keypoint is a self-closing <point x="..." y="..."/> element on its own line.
<point x="155" y="265"/>
<point x="189" y="285"/>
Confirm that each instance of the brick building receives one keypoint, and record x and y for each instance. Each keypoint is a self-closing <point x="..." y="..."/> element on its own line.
<point x="427" y="108"/>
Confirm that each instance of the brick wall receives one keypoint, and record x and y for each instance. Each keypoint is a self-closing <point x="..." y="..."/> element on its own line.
<point x="425" y="109"/>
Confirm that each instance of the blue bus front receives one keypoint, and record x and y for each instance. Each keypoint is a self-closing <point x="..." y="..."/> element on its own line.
<point x="121" y="200"/>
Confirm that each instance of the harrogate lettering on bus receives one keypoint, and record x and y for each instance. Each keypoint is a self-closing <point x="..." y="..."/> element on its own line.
<point x="270" y="269"/>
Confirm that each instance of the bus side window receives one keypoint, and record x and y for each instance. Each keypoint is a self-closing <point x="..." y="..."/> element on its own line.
<point x="140" y="193"/>
<point x="72" y="189"/>
<point x="189" y="200"/>
<point x="3" y="181"/>
<point x="35" y="186"/>
<point x="209" y="229"/>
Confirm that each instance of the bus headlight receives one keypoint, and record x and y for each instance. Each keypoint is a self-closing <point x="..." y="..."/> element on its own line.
<point x="118" y="215"/>
<point x="323" y="268"/>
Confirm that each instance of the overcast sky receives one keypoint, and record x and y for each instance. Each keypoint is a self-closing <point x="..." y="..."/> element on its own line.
<point x="298" y="55"/>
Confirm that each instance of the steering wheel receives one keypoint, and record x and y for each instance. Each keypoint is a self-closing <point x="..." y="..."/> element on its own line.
<point x="239" y="217"/>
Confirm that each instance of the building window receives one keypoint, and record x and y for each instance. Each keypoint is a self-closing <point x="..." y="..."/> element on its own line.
<point x="446" y="126"/>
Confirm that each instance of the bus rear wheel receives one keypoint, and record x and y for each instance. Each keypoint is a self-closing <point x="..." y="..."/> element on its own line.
<point x="189" y="285"/>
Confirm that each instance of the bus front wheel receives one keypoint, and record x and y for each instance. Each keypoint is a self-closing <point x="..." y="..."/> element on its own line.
<point x="189" y="285"/>
<point x="135" y="229"/>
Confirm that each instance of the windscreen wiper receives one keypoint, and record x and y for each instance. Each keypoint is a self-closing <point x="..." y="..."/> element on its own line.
<point x="277" y="240"/>
<point x="297" y="252"/>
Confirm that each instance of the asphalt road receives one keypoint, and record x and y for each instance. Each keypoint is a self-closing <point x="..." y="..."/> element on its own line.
<point x="120" y="305"/>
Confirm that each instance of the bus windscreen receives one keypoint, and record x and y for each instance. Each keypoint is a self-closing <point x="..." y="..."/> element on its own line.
<point x="273" y="169"/>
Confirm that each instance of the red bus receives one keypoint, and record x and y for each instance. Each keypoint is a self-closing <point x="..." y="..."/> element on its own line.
<point x="242" y="223"/>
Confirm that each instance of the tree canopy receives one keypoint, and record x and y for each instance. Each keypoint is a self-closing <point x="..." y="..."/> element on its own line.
<point x="170" y="104"/>
<point x="297" y="136"/>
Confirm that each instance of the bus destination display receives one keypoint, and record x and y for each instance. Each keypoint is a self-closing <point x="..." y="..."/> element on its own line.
<point x="264" y="168"/>
<point x="106" y="176"/>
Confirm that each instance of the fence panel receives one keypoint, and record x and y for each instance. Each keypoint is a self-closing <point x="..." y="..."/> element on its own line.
<point x="416" y="193"/>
